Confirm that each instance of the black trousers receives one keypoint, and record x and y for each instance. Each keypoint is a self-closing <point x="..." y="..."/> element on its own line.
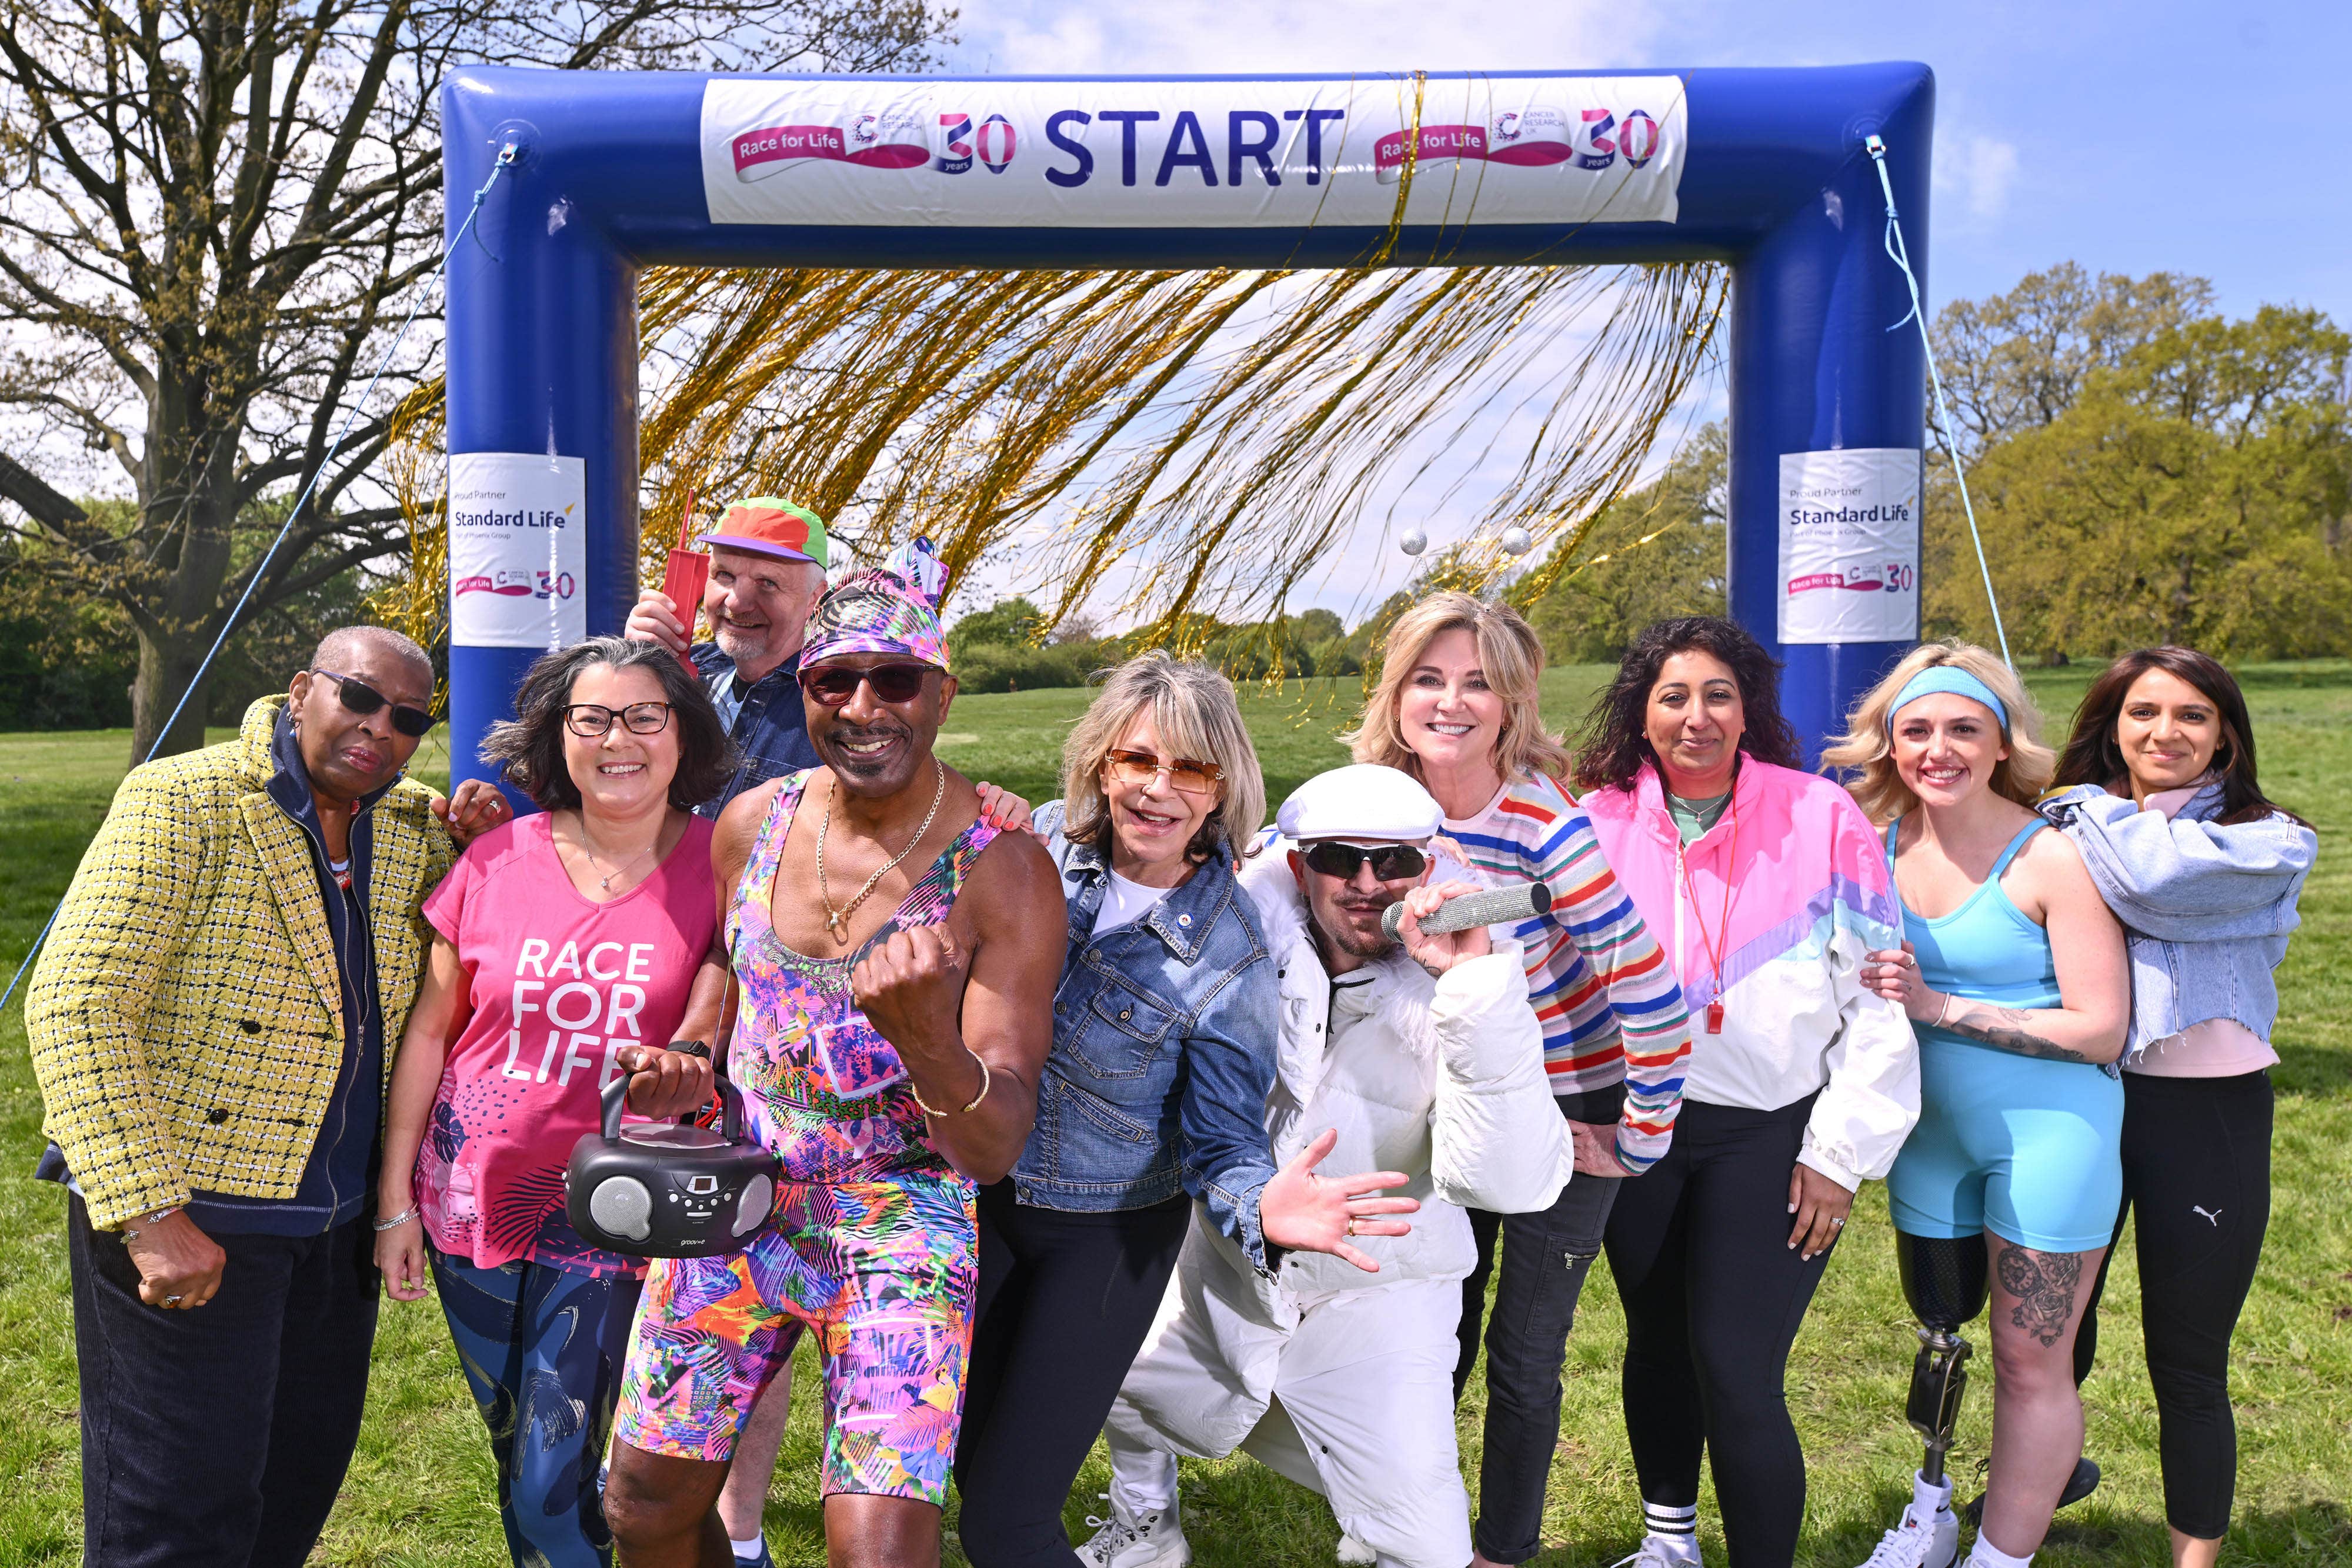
<point x="217" y="1437"/>
<point x="1064" y="1301"/>
<point x="1546" y="1256"/>
<point x="2197" y="1167"/>
<point x="1713" y="1296"/>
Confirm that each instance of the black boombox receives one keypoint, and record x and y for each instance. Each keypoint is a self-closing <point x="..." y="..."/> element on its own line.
<point x="670" y="1190"/>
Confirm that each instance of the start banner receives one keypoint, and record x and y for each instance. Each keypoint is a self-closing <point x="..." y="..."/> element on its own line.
<point x="1209" y="153"/>
<point x="1850" y="545"/>
<point x="517" y="550"/>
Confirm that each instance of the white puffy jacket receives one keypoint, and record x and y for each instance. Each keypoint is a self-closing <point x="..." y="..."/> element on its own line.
<point x="1440" y="1077"/>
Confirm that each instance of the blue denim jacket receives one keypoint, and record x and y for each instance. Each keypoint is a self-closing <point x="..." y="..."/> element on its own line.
<point x="771" y="734"/>
<point x="1163" y="1052"/>
<point x="2206" y="909"/>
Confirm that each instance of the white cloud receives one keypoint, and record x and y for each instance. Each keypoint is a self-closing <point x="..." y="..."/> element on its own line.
<point x="1982" y="170"/>
<point x="1168" y="36"/>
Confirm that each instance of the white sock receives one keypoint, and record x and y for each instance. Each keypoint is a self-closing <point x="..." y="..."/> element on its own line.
<point x="1674" y="1531"/>
<point x="1142" y="1481"/>
<point x="1988" y="1555"/>
<point x="1930" y="1498"/>
<point x="749" y="1551"/>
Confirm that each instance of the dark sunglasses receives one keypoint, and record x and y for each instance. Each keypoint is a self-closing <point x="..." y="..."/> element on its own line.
<point x="361" y="697"/>
<point x="591" y="720"/>
<point x="832" y="685"/>
<point x="1391" y="862"/>
<point x="1136" y="769"/>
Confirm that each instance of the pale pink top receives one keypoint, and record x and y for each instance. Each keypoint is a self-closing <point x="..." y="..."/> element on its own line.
<point x="2211" y="1048"/>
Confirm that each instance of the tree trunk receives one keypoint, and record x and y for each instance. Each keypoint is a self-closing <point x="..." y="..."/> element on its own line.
<point x="165" y="668"/>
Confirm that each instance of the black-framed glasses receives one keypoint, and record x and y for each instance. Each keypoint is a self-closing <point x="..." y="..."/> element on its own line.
<point x="362" y="698"/>
<point x="832" y="685"/>
<point x="594" y="721"/>
<point x="1136" y="769"/>
<point x="1391" y="862"/>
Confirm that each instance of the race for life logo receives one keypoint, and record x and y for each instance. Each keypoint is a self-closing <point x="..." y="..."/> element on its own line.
<point x="883" y="139"/>
<point x="1532" y="137"/>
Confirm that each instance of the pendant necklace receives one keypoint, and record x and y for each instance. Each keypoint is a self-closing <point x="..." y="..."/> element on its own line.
<point x="832" y="917"/>
<point x="1722" y="938"/>
<point x="604" y="878"/>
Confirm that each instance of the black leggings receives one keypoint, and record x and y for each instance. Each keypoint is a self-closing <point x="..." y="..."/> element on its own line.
<point x="1713" y="1296"/>
<point x="1064" y="1300"/>
<point x="2197" y="1165"/>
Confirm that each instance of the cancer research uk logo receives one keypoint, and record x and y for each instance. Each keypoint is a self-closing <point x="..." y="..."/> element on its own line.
<point x="1535" y="137"/>
<point x="889" y="138"/>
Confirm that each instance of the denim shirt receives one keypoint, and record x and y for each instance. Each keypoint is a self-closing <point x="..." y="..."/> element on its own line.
<point x="2206" y="909"/>
<point x="1163" y="1052"/>
<point x="771" y="733"/>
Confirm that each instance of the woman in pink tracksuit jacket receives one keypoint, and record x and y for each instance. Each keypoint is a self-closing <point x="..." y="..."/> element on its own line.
<point x="1767" y="887"/>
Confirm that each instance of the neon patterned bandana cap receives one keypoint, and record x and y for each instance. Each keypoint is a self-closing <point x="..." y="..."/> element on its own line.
<point x="890" y="608"/>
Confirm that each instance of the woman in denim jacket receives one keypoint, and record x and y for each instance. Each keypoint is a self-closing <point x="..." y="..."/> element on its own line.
<point x="2158" y="791"/>
<point x="1153" y="1097"/>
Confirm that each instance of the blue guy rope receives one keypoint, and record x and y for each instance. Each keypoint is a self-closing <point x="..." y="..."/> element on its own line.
<point x="506" y="155"/>
<point x="1901" y="254"/>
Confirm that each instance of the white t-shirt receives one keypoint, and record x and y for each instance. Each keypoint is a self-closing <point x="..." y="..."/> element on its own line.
<point x="1124" y="901"/>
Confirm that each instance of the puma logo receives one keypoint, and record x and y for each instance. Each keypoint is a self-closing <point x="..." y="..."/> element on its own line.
<point x="2212" y="1217"/>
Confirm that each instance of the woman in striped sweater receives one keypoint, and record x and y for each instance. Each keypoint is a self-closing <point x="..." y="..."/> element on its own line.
<point x="1802" y="1081"/>
<point x="1456" y="708"/>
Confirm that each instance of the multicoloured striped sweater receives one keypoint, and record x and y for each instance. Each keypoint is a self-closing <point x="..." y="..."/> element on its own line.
<point x="1608" y="1001"/>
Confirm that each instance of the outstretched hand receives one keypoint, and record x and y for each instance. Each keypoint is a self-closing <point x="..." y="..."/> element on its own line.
<point x="1307" y="1213"/>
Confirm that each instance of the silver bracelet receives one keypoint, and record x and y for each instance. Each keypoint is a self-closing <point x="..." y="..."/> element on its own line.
<point x="1942" y="1011"/>
<point x="145" y="1221"/>
<point x="397" y="1221"/>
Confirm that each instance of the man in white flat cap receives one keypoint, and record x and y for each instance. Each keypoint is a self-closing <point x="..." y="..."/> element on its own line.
<point x="1427" y="1058"/>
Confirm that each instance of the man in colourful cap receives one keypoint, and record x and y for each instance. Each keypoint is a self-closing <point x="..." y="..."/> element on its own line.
<point x="768" y="558"/>
<point x="897" y="1009"/>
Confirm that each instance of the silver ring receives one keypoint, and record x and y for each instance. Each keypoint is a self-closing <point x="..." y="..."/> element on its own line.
<point x="170" y="1300"/>
<point x="1837" y="1224"/>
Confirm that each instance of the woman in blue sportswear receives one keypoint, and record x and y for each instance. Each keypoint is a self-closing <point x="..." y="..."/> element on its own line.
<point x="2014" y="973"/>
<point x="1154" y="1098"/>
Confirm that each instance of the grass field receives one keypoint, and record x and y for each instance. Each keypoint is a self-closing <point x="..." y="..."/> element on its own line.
<point x="420" y="1492"/>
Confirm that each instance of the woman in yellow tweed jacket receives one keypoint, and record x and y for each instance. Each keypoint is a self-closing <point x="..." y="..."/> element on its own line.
<point x="186" y="1019"/>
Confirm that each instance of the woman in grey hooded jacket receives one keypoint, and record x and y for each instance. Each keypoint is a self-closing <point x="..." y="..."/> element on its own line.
<point x="2158" y="791"/>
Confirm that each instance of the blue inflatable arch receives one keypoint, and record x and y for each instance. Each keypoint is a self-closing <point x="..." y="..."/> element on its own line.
<point x="1763" y="169"/>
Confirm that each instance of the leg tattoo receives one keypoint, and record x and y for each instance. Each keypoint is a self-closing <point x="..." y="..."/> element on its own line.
<point x="2044" y="1285"/>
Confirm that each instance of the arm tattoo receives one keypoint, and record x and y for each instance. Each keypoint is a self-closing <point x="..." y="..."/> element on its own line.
<point x="2044" y="1284"/>
<point x="2006" y="1028"/>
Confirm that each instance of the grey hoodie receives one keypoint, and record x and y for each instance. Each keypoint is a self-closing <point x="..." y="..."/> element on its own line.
<point x="2207" y="907"/>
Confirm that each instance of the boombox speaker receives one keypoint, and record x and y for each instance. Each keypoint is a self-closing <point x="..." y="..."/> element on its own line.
<point x="670" y="1190"/>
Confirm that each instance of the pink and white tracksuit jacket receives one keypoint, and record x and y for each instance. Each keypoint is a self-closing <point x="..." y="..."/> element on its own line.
<point x="1807" y="897"/>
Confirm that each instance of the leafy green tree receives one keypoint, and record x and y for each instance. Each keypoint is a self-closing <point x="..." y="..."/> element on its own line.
<point x="1015" y="622"/>
<point x="1655" y="552"/>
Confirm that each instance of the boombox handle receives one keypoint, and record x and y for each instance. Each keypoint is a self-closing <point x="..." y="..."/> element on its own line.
<point x="730" y="1106"/>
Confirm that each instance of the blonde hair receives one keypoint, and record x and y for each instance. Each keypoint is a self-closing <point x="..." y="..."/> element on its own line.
<point x="1193" y="708"/>
<point x="1867" y="748"/>
<point x="1509" y="654"/>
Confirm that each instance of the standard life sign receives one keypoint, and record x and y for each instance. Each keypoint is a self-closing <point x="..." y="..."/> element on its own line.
<point x="1178" y="155"/>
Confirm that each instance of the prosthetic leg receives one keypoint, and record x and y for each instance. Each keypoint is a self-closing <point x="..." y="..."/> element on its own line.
<point x="1945" y="1282"/>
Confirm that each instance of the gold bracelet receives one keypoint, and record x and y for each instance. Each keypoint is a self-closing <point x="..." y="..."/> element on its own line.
<point x="985" y="1079"/>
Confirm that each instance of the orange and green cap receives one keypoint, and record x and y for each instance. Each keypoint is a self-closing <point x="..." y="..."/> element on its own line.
<point x="767" y="525"/>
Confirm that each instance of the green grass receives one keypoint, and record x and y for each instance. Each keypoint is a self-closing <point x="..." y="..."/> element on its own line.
<point x="420" y="1489"/>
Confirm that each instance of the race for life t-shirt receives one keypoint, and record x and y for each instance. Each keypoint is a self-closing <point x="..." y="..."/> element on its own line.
<point x="557" y="986"/>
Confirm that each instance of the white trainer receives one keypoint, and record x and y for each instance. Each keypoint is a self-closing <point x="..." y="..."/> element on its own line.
<point x="1355" y="1554"/>
<point x="1920" y="1540"/>
<point x="1650" y="1553"/>
<point x="1155" y="1539"/>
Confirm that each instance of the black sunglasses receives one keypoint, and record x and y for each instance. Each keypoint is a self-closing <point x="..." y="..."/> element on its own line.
<point x="1391" y="862"/>
<point x="832" y="685"/>
<point x="361" y="697"/>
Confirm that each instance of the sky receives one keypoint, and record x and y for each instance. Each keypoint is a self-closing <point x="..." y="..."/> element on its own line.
<point x="2132" y="138"/>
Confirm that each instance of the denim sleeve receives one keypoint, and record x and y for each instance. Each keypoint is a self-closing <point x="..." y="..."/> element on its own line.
<point x="1228" y="1071"/>
<point x="2185" y="880"/>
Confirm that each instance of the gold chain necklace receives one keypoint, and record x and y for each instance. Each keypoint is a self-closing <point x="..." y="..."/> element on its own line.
<point x="832" y="917"/>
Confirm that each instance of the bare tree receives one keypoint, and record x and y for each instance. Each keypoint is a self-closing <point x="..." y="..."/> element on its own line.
<point x="210" y="212"/>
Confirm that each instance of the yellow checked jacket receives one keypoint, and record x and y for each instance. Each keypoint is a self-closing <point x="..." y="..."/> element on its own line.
<point x="186" y="1018"/>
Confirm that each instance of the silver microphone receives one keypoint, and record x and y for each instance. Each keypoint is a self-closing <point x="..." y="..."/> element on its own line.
<point x="1500" y="907"/>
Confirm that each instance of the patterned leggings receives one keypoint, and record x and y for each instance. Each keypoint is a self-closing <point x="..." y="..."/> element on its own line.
<point x="542" y="1352"/>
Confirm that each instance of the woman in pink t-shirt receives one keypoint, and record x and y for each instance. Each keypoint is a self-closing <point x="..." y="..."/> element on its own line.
<point x="569" y="947"/>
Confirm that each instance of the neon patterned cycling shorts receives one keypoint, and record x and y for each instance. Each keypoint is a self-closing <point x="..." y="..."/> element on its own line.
<point x="882" y="1271"/>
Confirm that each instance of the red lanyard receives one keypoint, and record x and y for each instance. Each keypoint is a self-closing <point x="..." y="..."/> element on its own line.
<point x="1715" y="945"/>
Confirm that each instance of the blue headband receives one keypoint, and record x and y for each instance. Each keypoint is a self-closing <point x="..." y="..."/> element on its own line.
<point x="1952" y="679"/>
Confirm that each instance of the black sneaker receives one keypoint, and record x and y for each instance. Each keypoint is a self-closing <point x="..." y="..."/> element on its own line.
<point x="2080" y="1485"/>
